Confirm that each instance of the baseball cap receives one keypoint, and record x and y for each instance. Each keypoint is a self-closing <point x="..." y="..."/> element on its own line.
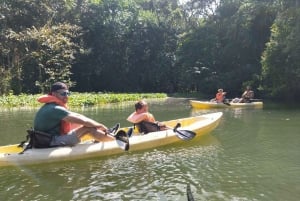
<point x="58" y="85"/>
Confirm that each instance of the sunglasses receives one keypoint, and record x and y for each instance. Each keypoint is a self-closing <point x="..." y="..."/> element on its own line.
<point x="65" y="93"/>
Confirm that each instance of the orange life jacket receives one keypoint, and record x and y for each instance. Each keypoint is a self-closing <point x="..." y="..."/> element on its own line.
<point x="65" y="127"/>
<point x="149" y="118"/>
<point x="219" y="97"/>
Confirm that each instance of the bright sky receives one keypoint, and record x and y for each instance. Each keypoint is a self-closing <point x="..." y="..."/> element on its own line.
<point x="183" y="1"/>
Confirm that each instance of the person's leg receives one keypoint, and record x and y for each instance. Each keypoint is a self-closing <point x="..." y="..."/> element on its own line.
<point x="235" y="100"/>
<point x="69" y="139"/>
<point x="97" y="134"/>
<point x="241" y="100"/>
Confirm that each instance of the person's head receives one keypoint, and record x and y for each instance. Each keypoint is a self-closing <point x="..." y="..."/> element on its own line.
<point x="141" y="106"/>
<point x="60" y="90"/>
<point x="220" y="90"/>
<point x="248" y="88"/>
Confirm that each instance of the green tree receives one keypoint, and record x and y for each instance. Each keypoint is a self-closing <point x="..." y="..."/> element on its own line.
<point x="281" y="69"/>
<point x="152" y="44"/>
<point x="131" y="43"/>
<point x="42" y="56"/>
<point x="36" y="49"/>
<point x="225" y="50"/>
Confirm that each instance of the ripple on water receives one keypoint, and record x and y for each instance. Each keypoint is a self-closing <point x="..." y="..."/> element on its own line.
<point x="149" y="175"/>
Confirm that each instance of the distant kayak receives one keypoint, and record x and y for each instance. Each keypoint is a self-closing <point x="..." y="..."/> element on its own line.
<point x="210" y="105"/>
<point x="190" y="127"/>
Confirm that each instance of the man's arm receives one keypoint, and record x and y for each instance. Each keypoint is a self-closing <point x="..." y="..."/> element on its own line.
<point x="136" y="118"/>
<point x="83" y="120"/>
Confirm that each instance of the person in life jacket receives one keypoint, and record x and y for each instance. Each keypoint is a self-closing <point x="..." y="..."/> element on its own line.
<point x="247" y="95"/>
<point x="144" y="120"/>
<point x="54" y="118"/>
<point x="220" y="96"/>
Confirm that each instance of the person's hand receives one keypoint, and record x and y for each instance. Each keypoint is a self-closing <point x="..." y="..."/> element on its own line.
<point x="106" y="131"/>
<point x="160" y="124"/>
<point x="102" y="127"/>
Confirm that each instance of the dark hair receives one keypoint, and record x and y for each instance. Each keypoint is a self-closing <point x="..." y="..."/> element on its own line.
<point x="58" y="85"/>
<point x="140" y="105"/>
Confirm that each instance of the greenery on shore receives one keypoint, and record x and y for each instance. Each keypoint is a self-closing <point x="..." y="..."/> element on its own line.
<point x="148" y="46"/>
<point x="78" y="99"/>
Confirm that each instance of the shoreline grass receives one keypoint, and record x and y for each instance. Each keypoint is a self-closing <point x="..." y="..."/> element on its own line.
<point x="77" y="99"/>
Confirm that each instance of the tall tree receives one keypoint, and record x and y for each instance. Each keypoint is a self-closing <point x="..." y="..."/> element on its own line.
<point x="36" y="48"/>
<point x="281" y="69"/>
<point x="225" y="50"/>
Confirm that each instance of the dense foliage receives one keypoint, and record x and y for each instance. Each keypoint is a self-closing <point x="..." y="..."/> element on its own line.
<point x="281" y="61"/>
<point x="77" y="99"/>
<point x="151" y="46"/>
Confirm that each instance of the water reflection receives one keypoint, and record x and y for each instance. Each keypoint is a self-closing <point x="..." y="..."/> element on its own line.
<point x="251" y="155"/>
<point x="142" y="176"/>
<point x="146" y="175"/>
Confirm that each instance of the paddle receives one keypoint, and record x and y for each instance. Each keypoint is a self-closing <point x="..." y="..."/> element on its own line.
<point x="226" y="103"/>
<point x="121" y="136"/>
<point x="123" y="139"/>
<point x="183" y="134"/>
<point x="189" y="193"/>
<point x="114" y="129"/>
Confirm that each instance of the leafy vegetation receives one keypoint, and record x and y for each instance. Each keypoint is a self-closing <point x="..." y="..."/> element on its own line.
<point x="146" y="46"/>
<point x="78" y="99"/>
<point x="281" y="61"/>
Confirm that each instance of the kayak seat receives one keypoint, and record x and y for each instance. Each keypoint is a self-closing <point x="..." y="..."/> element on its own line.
<point x="145" y="127"/>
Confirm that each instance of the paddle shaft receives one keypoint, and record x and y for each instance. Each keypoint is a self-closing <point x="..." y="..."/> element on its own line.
<point x="226" y="103"/>
<point x="189" y="193"/>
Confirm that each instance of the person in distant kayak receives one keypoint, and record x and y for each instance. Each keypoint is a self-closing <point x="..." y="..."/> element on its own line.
<point x="246" y="96"/>
<point x="54" y="118"/>
<point x="144" y="120"/>
<point x="220" y="96"/>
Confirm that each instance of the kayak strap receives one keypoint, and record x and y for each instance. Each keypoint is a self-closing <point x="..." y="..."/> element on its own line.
<point x="36" y="139"/>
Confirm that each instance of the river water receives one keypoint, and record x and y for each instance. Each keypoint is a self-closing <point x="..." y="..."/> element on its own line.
<point x="252" y="155"/>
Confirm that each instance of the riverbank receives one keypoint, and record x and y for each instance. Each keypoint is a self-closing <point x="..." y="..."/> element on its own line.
<point x="78" y="99"/>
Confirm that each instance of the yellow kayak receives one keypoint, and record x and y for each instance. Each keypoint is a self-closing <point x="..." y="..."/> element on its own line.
<point x="193" y="127"/>
<point x="211" y="105"/>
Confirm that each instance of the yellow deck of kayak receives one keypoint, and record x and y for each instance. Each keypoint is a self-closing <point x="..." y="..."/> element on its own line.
<point x="210" y="105"/>
<point x="203" y="124"/>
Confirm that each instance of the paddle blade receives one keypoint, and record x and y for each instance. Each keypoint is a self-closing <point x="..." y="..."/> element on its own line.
<point x="122" y="139"/>
<point x="114" y="129"/>
<point x="189" y="194"/>
<point x="185" y="134"/>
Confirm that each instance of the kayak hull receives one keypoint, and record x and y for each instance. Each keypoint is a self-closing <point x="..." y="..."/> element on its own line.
<point x="213" y="105"/>
<point x="201" y="125"/>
